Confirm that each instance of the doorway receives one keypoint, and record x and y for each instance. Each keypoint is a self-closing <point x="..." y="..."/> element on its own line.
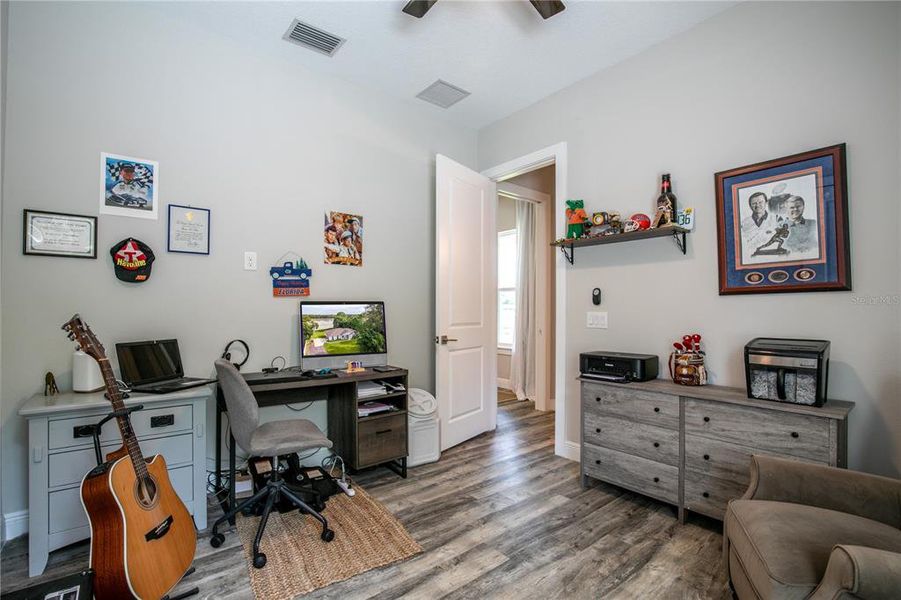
<point x="525" y="288"/>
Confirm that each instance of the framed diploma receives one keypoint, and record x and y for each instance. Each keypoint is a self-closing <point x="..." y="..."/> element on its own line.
<point x="189" y="229"/>
<point x="59" y="234"/>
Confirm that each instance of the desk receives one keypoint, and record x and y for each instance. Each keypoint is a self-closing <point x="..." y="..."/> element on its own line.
<point x="362" y="442"/>
<point x="60" y="454"/>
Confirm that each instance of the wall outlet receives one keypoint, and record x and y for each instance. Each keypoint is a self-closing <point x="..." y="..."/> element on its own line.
<point x="250" y="261"/>
<point x="597" y="320"/>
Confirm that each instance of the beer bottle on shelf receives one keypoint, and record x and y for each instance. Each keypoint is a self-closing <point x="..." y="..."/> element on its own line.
<point x="666" y="200"/>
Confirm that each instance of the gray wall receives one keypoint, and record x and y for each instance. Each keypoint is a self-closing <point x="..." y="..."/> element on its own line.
<point x="759" y="81"/>
<point x="4" y="36"/>
<point x="265" y="144"/>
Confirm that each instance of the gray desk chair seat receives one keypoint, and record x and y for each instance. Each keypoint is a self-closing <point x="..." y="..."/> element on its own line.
<point x="270" y="440"/>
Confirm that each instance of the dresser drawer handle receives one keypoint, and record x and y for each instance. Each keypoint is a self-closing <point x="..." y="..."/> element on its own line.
<point x="656" y="409"/>
<point x="597" y="462"/>
<point x="706" y="419"/>
<point x="162" y="421"/>
<point x="656" y="444"/>
<point x="83" y="431"/>
<point x="656" y="480"/>
<point x="706" y="495"/>
<point x="795" y="434"/>
<point x="706" y="457"/>
<point x="597" y="429"/>
<point x="383" y="431"/>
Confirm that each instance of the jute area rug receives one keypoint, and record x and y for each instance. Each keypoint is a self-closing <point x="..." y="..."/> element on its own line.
<point x="298" y="561"/>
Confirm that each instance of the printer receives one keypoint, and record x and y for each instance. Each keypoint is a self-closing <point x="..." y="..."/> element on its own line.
<point x="618" y="366"/>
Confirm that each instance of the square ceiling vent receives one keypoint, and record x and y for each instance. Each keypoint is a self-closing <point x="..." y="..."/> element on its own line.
<point x="443" y="94"/>
<point x="313" y="38"/>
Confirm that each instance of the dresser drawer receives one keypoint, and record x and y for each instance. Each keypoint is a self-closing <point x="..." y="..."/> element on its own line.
<point x="151" y="421"/>
<point x="629" y="403"/>
<point x="66" y="468"/>
<point x="778" y="431"/>
<point x="632" y="472"/>
<point x="67" y="512"/>
<point x="725" y="460"/>
<point x="381" y="439"/>
<point x="632" y="437"/>
<point x="710" y="495"/>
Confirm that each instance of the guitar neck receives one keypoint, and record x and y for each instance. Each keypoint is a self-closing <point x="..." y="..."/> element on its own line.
<point x="128" y="435"/>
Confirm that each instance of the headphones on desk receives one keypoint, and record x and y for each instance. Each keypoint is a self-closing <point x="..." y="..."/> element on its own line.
<point x="227" y="355"/>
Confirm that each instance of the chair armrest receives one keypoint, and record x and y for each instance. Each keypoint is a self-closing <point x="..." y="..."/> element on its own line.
<point x="862" y="572"/>
<point x="853" y="492"/>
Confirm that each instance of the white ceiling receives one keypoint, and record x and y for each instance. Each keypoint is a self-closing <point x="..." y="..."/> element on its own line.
<point x="501" y="52"/>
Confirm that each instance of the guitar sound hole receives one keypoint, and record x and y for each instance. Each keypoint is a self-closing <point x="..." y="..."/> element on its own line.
<point x="146" y="491"/>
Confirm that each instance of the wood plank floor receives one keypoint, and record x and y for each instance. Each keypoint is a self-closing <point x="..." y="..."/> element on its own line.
<point x="499" y="516"/>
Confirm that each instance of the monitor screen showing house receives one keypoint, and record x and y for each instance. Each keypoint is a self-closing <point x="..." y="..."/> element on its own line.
<point x="338" y="329"/>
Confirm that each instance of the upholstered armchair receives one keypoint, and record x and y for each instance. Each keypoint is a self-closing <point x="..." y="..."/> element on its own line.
<point x="810" y="531"/>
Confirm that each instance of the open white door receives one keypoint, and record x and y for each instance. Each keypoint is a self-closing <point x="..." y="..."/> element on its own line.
<point x="465" y="302"/>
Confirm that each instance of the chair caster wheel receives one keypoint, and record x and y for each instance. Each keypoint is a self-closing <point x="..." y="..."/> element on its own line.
<point x="247" y="512"/>
<point x="327" y="535"/>
<point x="217" y="540"/>
<point x="259" y="561"/>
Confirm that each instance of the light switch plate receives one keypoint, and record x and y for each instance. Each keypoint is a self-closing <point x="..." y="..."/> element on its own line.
<point x="596" y="320"/>
<point x="250" y="261"/>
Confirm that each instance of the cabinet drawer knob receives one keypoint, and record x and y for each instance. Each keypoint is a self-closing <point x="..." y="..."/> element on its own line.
<point x="656" y="409"/>
<point x="706" y="495"/>
<point x="598" y="399"/>
<point x="597" y="462"/>
<point x="656" y="480"/>
<point x="706" y="419"/>
<point x="656" y="444"/>
<point x="597" y="429"/>
<point x="795" y="434"/>
<point x="706" y="457"/>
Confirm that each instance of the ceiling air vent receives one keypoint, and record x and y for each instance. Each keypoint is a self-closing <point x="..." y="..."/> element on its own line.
<point x="442" y="94"/>
<point x="316" y="39"/>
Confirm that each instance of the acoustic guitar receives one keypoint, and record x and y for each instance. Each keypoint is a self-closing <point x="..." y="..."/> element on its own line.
<point x="142" y="536"/>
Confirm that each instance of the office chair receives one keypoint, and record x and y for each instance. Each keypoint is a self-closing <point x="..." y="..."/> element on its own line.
<point x="269" y="440"/>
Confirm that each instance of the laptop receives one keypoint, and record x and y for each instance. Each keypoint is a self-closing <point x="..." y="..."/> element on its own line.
<point x="154" y="367"/>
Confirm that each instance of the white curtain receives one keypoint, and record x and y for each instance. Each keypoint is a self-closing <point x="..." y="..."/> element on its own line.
<point x="522" y="362"/>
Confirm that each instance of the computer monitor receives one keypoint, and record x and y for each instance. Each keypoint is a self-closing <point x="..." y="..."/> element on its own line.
<point x="332" y="333"/>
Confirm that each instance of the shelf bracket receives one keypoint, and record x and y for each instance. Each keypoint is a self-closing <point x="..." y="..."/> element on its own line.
<point x="679" y="238"/>
<point x="569" y="256"/>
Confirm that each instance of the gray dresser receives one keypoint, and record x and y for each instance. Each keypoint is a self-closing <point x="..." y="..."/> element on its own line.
<point x="691" y="446"/>
<point x="60" y="454"/>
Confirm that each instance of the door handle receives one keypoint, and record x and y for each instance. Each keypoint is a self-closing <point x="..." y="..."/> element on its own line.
<point x="445" y="339"/>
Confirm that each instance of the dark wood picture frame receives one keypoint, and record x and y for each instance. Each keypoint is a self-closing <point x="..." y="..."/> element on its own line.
<point x="31" y="252"/>
<point x="832" y="270"/>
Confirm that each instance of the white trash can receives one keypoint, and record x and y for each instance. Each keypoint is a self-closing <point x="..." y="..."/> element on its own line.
<point x="422" y="421"/>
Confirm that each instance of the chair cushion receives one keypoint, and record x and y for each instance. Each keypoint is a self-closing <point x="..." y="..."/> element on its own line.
<point x="284" y="437"/>
<point x="784" y="547"/>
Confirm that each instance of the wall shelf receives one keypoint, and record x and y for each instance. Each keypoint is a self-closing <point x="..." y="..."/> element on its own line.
<point x="569" y="246"/>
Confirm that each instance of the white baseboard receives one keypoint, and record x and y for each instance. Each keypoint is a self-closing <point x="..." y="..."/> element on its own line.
<point x="503" y="383"/>
<point x="15" y="524"/>
<point x="570" y="450"/>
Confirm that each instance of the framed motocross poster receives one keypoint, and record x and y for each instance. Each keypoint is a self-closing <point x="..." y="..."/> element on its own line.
<point x="129" y="186"/>
<point x="782" y="225"/>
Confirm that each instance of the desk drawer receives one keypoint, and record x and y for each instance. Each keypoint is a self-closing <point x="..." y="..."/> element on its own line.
<point x="381" y="439"/>
<point x="150" y="421"/>
<point x="68" y="468"/>
<point x="66" y="511"/>
<point x="778" y="431"/>
<point x="710" y="495"/>
<point x="629" y="403"/>
<point x="633" y="472"/>
<point x="648" y="441"/>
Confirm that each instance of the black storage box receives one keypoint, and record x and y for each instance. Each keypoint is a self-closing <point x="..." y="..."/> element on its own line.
<point x="787" y="370"/>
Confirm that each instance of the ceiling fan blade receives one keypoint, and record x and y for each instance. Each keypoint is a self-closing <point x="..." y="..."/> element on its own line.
<point x="545" y="8"/>
<point x="418" y="8"/>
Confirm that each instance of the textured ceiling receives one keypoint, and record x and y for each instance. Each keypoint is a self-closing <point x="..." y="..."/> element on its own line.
<point x="501" y="52"/>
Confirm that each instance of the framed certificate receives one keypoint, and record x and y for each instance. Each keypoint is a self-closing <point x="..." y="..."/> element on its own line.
<point x="189" y="229"/>
<point x="59" y="234"/>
